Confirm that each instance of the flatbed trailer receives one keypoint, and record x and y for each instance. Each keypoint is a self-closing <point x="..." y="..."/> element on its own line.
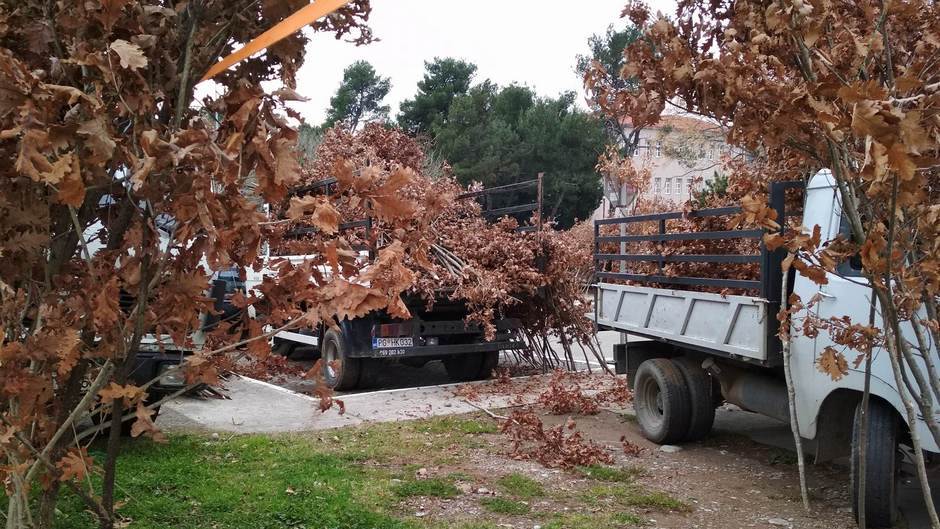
<point x="701" y="349"/>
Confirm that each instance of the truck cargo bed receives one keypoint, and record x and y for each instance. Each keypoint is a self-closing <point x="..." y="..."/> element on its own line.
<point x="742" y="327"/>
<point x="733" y="326"/>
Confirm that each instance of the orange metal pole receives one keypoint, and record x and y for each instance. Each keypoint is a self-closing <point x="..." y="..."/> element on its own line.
<point x="282" y="29"/>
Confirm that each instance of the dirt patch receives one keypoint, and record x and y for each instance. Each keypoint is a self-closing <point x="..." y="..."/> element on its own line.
<point x="727" y="482"/>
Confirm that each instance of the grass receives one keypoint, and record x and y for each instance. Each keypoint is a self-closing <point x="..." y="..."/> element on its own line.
<point x="629" y="519"/>
<point x="633" y="496"/>
<point x="658" y="501"/>
<point x="247" y="482"/>
<point x="387" y="442"/>
<point x="521" y="486"/>
<point x="449" y="424"/>
<point x="350" y="478"/>
<point x="468" y="525"/>
<point x="618" y="475"/>
<point x="436" y="488"/>
<point x="504" y="506"/>
<point x="595" y="521"/>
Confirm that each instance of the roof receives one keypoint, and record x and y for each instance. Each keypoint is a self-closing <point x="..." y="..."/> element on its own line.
<point x="678" y="122"/>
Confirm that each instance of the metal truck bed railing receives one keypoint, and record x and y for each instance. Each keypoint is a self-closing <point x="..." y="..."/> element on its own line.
<point x="488" y="202"/>
<point x="737" y="326"/>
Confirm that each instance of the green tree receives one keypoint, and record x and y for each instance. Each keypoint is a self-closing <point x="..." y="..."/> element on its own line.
<point x="359" y="97"/>
<point x="444" y="79"/>
<point x="501" y="136"/>
<point x="717" y="187"/>
<point x="607" y="50"/>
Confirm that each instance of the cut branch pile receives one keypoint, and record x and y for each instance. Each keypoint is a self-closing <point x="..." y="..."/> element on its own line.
<point x="743" y="189"/>
<point x="448" y="250"/>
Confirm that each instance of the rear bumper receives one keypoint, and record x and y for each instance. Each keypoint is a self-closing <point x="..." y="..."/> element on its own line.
<point x="440" y="350"/>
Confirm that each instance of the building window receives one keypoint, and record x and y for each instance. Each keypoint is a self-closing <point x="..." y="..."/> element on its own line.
<point x="688" y="186"/>
<point x="656" y="186"/>
<point x="668" y="186"/>
<point x="659" y="149"/>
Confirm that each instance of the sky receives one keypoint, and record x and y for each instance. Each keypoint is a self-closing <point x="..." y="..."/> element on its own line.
<point x="528" y="42"/>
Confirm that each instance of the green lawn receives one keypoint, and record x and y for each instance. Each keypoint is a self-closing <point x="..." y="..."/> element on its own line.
<point x="249" y="482"/>
<point x="365" y="477"/>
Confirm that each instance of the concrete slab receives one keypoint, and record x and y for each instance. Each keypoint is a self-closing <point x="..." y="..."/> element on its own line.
<point x="258" y="407"/>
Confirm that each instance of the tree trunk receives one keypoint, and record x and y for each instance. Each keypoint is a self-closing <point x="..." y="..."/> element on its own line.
<point x="791" y="398"/>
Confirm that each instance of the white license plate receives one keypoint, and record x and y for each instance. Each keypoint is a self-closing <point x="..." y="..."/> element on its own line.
<point x="391" y="343"/>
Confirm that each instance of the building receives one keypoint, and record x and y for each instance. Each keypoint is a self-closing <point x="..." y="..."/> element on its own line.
<point x="681" y="154"/>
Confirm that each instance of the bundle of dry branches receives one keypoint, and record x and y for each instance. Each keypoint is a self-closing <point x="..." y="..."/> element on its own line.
<point x="451" y="250"/>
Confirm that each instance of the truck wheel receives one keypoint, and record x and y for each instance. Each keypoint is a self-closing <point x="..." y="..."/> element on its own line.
<point x="469" y="366"/>
<point x="661" y="400"/>
<point x="340" y="372"/>
<point x="881" y="464"/>
<point x="700" y="399"/>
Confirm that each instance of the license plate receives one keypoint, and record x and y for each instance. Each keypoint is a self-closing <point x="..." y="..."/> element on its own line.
<point x="392" y="343"/>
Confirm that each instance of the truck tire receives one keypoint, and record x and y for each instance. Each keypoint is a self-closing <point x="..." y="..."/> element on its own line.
<point x="882" y="464"/>
<point x="340" y="372"/>
<point x="470" y="366"/>
<point x="661" y="400"/>
<point x="700" y="399"/>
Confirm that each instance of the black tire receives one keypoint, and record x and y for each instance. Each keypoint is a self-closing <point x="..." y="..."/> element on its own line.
<point x="470" y="366"/>
<point x="283" y="347"/>
<point x="340" y="372"/>
<point x="882" y="464"/>
<point x="700" y="399"/>
<point x="661" y="401"/>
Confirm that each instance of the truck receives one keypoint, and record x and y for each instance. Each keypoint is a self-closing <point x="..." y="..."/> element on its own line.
<point x="353" y="350"/>
<point x="685" y="352"/>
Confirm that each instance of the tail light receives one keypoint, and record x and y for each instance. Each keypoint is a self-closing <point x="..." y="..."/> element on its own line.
<point x="391" y="330"/>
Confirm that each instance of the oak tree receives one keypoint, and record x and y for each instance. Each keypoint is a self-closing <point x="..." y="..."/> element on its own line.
<point x="120" y="194"/>
<point x="852" y="87"/>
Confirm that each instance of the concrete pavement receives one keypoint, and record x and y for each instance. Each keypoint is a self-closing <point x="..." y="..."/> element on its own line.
<point x="259" y="407"/>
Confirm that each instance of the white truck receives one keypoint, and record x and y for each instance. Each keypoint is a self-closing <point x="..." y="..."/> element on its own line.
<point x="701" y="349"/>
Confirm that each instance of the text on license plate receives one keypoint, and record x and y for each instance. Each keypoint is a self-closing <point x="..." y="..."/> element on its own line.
<point x="389" y="343"/>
